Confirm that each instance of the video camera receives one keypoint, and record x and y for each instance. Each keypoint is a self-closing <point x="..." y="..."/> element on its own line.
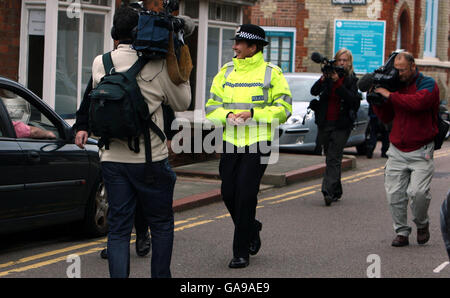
<point x="328" y="65"/>
<point x="385" y="76"/>
<point x="153" y="31"/>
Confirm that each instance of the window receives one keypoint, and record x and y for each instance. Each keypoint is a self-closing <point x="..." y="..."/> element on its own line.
<point x="399" y="36"/>
<point x="89" y="2"/>
<point x="223" y="12"/>
<point x="80" y="40"/>
<point x="280" y="50"/>
<point x="191" y="8"/>
<point x="431" y="28"/>
<point x="67" y="66"/>
<point x="21" y="111"/>
<point x="73" y="33"/>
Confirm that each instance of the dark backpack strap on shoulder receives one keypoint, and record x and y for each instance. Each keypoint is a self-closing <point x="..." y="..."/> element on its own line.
<point x="137" y="66"/>
<point x="108" y="63"/>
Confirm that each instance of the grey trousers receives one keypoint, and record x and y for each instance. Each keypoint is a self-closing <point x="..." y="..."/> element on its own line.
<point x="408" y="178"/>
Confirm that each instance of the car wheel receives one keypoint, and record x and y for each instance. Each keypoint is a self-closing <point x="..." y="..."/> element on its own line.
<point x="96" y="223"/>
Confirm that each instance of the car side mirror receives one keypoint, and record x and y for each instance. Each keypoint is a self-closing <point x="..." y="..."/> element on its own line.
<point x="69" y="134"/>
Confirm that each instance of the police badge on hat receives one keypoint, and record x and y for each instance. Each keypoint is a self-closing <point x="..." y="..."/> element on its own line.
<point x="252" y="33"/>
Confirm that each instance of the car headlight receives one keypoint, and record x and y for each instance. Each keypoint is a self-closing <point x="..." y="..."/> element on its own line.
<point x="294" y="119"/>
<point x="298" y="118"/>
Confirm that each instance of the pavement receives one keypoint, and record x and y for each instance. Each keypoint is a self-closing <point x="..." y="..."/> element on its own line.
<point x="199" y="183"/>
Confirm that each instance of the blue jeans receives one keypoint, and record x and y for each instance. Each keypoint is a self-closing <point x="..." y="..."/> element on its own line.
<point x="125" y="186"/>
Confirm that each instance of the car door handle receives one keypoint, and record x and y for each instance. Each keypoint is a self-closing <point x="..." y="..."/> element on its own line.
<point x="34" y="157"/>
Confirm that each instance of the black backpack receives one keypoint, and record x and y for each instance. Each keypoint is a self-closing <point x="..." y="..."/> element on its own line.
<point x="118" y="109"/>
<point x="443" y="127"/>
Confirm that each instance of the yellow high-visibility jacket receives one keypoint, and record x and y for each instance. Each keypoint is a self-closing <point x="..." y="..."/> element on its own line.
<point x="245" y="85"/>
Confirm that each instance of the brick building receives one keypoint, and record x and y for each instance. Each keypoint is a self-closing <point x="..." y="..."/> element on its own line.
<point x="419" y="26"/>
<point x="51" y="52"/>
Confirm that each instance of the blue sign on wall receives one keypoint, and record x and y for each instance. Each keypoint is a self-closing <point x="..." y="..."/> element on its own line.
<point x="366" y="41"/>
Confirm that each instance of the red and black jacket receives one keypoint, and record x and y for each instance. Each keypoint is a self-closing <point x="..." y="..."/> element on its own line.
<point x="413" y="110"/>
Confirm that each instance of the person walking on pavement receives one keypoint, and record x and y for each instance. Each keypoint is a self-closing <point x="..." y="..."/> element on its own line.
<point x="248" y="95"/>
<point x="377" y="127"/>
<point x="124" y="171"/>
<point x="413" y="110"/>
<point x="335" y="113"/>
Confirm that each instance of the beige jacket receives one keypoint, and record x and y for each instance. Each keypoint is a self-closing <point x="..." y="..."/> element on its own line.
<point x="157" y="88"/>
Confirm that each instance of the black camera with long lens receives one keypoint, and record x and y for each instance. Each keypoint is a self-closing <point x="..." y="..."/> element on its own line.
<point x="385" y="76"/>
<point x="328" y="67"/>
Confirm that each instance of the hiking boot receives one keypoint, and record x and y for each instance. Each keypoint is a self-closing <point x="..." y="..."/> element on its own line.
<point x="423" y="234"/>
<point x="400" y="241"/>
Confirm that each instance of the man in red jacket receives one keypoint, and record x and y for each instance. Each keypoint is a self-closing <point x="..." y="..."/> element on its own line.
<point x="413" y="111"/>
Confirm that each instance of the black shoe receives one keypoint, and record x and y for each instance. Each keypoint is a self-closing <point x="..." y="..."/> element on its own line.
<point x="335" y="199"/>
<point x="143" y="244"/>
<point x="384" y="155"/>
<point x="239" y="263"/>
<point x="369" y="153"/>
<point x="104" y="254"/>
<point x="328" y="199"/>
<point x="255" y="243"/>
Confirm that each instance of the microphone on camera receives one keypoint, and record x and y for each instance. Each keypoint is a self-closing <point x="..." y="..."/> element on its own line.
<point x="317" y="57"/>
<point x="366" y="82"/>
<point x="189" y="25"/>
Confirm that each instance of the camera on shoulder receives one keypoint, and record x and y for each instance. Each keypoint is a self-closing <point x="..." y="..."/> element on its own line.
<point x="152" y="35"/>
<point x="385" y="76"/>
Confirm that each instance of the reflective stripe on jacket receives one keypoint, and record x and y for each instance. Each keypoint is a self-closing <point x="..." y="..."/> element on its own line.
<point x="246" y="84"/>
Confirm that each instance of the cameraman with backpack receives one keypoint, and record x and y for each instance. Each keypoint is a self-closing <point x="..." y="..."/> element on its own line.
<point x="413" y="110"/>
<point x="125" y="172"/>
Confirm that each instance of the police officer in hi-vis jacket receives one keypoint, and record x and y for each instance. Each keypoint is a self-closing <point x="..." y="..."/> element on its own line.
<point x="250" y="98"/>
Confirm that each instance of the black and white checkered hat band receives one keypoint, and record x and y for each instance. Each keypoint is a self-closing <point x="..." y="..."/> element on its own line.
<point x="250" y="36"/>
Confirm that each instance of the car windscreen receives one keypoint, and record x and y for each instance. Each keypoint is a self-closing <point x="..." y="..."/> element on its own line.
<point x="301" y="88"/>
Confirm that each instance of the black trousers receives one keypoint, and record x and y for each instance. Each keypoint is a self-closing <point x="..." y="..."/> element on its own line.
<point x="376" y="126"/>
<point x="241" y="175"/>
<point x="333" y="141"/>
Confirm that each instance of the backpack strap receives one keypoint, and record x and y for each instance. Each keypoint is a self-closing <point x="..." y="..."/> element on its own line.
<point x="137" y="66"/>
<point x="108" y="63"/>
<point x="149" y="177"/>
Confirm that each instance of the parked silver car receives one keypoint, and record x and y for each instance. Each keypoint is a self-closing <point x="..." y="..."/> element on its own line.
<point x="300" y="131"/>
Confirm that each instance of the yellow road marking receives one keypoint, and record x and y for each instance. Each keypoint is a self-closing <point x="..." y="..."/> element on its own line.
<point x="51" y="253"/>
<point x="223" y="216"/>
<point x="49" y="262"/>
<point x="180" y="222"/>
<point x="294" y="197"/>
<point x="193" y="225"/>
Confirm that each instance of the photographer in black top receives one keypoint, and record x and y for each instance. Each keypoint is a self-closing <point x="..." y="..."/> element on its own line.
<point x="335" y="112"/>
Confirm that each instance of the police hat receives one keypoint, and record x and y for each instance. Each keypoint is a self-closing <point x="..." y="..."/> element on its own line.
<point x="252" y="33"/>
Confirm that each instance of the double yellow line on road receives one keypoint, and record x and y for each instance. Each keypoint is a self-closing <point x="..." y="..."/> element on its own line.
<point x="182" y="224"/>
